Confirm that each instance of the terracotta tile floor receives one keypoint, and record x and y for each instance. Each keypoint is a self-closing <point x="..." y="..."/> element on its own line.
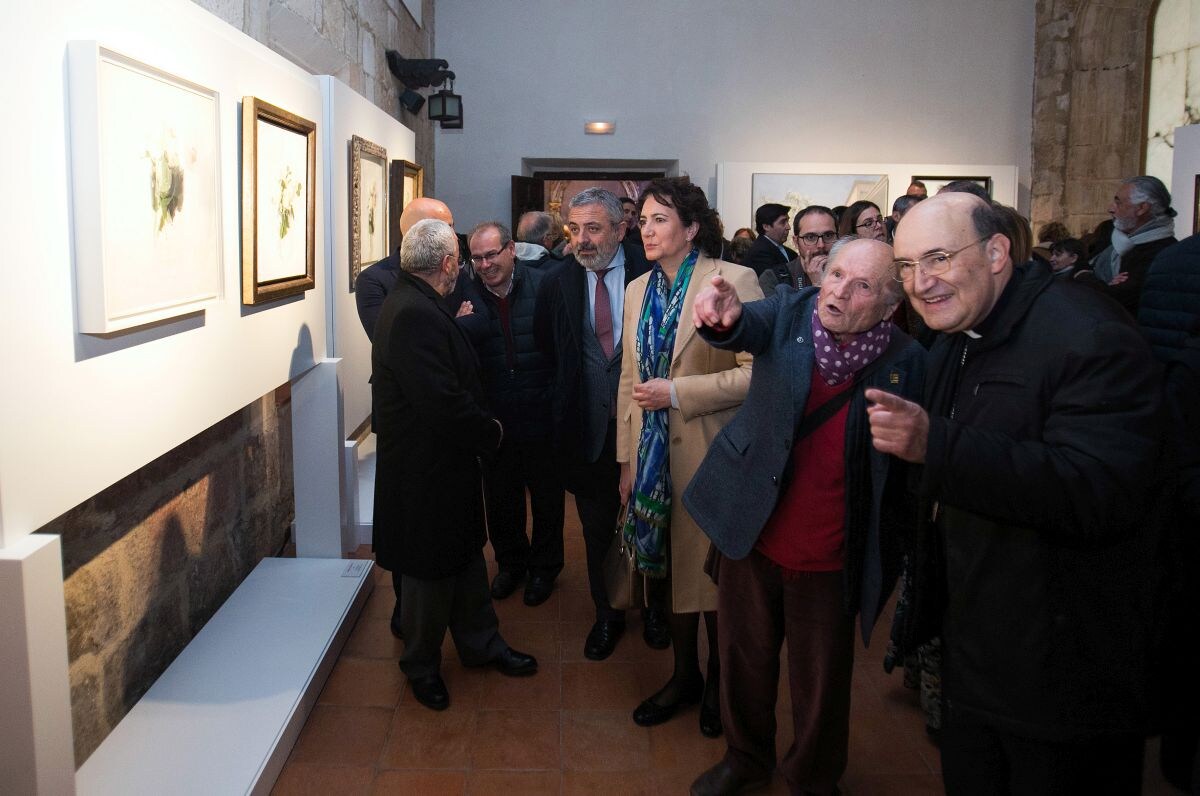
<point x="567" y="730"/>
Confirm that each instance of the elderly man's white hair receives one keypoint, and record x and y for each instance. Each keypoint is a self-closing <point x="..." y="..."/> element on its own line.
<point x="425" y="245"/>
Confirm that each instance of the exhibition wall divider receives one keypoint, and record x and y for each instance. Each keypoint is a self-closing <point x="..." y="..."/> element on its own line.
<point x="131" y="321"/>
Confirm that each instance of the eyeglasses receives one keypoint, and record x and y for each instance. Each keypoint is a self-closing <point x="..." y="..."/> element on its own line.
<point x="812" y="237"/>
<point x="932" y="264"/>
<point x="480" y="259"/>
<point x="877" y="221"/>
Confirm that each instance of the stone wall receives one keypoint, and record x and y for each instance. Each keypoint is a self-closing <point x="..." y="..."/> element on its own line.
<point x="149" y="560"/>
<point x="347" y="39"/>
<point x="1090" y="74"/>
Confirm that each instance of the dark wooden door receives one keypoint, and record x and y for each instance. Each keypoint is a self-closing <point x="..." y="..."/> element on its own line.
<point x="528" y="193"/>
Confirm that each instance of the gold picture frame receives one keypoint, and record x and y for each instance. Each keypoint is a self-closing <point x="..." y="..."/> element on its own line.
<point x="368" y="205"/>
<point x="407" y="182"/>
<point x="279" y="202"/>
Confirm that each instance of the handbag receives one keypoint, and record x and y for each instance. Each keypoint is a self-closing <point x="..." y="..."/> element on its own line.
<point x="626" y="586"/>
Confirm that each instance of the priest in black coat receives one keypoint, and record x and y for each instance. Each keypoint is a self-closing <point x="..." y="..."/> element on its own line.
<point x="432" y="427"/>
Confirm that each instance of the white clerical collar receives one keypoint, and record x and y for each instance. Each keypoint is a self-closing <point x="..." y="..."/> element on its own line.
<point x="974" y="335"/>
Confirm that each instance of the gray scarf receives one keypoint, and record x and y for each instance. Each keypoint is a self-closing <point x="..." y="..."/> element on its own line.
<point x="1108" y="262"/>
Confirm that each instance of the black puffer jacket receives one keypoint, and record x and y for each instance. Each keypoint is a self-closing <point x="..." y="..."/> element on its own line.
<point x="1038" y="568"/>
<point x="518" y="391"/>
<point x="1170" y="308"/>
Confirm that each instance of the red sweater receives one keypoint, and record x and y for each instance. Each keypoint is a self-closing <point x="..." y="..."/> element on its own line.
<point x="806" y="531"/>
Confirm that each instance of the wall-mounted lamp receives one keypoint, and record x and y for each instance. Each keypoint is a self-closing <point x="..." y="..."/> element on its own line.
<point x="414" y="73"/>
<point x="454" y="124"/>
<point x="445" y="105"/>
<point x="599" y="128"/>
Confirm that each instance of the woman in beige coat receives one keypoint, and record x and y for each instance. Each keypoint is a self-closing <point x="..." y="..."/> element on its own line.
<point x="676" y="393"/>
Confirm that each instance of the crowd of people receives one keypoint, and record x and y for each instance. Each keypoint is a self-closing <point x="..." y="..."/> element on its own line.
<point x="923" y="405"/>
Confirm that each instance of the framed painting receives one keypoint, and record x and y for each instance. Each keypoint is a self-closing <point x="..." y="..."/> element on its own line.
<point x="1196" y="208"/>
<point x="937" y="183"/>
<point x="146" y="191"/>
<point x="368" y="203"/>
<point x="798" y="191"/>
<point x="406" y="182"/>
<point x="279" y="200"/>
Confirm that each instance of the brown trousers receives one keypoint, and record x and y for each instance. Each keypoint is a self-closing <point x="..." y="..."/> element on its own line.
<point x="759" y="608"/>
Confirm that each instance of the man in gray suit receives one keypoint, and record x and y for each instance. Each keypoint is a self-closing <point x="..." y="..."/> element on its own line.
<point x="578" y="326"/>
<point x="807" y="515"/>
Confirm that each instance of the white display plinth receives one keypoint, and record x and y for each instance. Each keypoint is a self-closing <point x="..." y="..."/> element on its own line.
<point x="361" y="457"/>
<point x="225" y="715"/>
<point x="316" y="463"/>
<point x="36" y="751"/>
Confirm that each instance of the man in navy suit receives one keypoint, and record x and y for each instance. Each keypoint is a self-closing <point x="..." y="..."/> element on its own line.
<point x="807" y="515"/>
<point x="578" y="326"/>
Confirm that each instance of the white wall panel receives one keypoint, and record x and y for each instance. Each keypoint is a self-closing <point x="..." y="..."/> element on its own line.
<point x="78" y="412"/>
<point x="350" y="114"/>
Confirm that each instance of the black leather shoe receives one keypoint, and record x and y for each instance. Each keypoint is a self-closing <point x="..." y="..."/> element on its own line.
<point x="505" y="583"/>
<point x="721" y="780"/>
<point x="515" y="664"/>
<point x="655" y="631"/>
<point x="650" y="713"/>
<point x="602" y="639"/>
<point x="431" y="692"/>
<point x="538" y="589"/>
<point x="710" y="722"/>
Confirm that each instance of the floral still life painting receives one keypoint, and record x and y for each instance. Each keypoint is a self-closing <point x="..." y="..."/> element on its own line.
<point x="278" y="202"/>
<point x="368" y="200"/>
<point x="146" y="187"/>
<point x="166" y="178"/>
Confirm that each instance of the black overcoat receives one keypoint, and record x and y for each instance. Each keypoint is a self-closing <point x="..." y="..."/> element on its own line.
<point x="432" y="425"/>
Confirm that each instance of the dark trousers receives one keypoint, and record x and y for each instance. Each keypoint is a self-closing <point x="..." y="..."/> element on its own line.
<point x="760" y="608"/>
<point x="598" y="500"/>
<point x="461" y="603"/>
<point x="980" y="759"/>
<point x="521" y="465"/>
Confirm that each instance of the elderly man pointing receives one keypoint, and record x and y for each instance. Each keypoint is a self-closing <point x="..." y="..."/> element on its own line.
<point x="806" y="514"/>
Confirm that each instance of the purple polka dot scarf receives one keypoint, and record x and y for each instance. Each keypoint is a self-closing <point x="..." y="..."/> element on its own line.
<point x="839" y="363"/>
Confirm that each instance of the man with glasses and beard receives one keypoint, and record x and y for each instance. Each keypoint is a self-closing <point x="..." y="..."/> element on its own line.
<point x="578" y="325"/>
<point x="815" y="232"/>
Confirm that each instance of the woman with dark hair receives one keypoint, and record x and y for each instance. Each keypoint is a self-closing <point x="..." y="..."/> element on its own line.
<point x="1066" y="256"/>
<point x="864" y="220"/>
<point x="676" y="394"/>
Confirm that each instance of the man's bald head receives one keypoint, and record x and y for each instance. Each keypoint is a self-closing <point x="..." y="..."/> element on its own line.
<point x="959" y="244"/>
<point x="421" y="208"/>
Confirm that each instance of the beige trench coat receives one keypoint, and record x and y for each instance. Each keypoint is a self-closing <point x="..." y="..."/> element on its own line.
<point x="710" y="385"/>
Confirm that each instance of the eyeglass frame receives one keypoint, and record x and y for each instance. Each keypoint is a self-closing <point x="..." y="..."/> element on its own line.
<point x="478" y="260"/>
<point x="829" y="238"/>
<point x="913" y="265"/>
<point x="878" y="221"/>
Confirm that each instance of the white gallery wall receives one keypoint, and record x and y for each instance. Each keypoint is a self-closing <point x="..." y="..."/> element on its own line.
<point x="707" y="81"/>
<point x="351" y="114"/>
<point x="79" y="411"/>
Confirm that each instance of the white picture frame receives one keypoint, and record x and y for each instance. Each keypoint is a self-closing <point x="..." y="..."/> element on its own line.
<point x="146" y="191"/>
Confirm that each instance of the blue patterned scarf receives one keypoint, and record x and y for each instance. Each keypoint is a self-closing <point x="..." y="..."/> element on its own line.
<point x="649" y="514"/>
